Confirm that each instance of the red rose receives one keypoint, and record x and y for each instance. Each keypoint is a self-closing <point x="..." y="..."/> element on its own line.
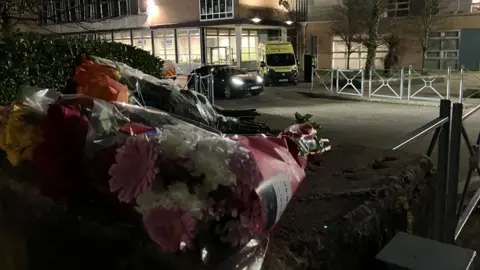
<point x="59" y="157"/>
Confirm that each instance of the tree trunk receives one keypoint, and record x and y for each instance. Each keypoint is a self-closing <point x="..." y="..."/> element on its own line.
<point x="349" y="53"/>
<point x="5" y="25"/>
<point x="373" y="35"/>
<point x="371" y="55"/>
<point x="424" y="51"/>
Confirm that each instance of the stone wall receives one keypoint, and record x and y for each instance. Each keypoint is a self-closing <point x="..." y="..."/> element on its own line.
<point x="351" y="204"/>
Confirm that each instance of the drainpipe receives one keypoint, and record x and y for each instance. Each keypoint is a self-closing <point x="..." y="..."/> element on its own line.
<point x="301" y="39"/>
<point x="283" y="34"/>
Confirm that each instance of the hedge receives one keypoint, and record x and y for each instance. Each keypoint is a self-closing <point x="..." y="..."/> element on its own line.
<point x="47" y="61"/>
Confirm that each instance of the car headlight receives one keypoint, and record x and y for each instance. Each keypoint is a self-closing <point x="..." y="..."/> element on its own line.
<point x="259" y="79"/>
<point x="237" y="81"/>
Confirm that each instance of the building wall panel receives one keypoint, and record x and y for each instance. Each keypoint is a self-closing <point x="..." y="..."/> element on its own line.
<point x="321" y="10"/>
<point x="470" y="48"/>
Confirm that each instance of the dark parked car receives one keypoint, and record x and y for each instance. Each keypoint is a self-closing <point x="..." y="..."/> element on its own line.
<point x="229" y="81"/>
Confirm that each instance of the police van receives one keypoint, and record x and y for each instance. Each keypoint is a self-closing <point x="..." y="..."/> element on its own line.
<point x="276" y="62"/>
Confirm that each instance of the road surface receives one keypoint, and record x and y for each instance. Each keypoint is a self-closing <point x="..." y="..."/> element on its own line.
<point x="367" y="123"/>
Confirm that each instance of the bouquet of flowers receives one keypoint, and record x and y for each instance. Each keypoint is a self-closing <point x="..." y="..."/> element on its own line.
<point x="115" y="81"/>
<point x="193" y="190"/>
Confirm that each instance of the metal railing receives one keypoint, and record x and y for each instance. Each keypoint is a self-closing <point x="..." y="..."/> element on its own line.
<point x="349" y="79"/>
<point x="204" y="85"/>
<point x="391" y="81"/>
<point x="401" y="84"/>
<point x="449" y="216"/>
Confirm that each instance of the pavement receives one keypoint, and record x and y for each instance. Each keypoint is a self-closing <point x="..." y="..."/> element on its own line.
<point x="374" y="124"/>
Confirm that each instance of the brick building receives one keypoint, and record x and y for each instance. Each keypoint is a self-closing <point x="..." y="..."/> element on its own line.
<point x="188" y="32"/>
<point x="455" y="44"/>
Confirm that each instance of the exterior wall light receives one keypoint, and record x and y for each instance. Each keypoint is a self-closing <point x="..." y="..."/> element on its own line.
<point x="153" y="13"/>
<point x="256" y="20"/>
<point x="289" y="22"/>
<point x="152" y="9"/>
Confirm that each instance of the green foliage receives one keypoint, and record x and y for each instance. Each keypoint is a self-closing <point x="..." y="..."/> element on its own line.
<point x="305" y="119"/>
<point x="48" y="61"/>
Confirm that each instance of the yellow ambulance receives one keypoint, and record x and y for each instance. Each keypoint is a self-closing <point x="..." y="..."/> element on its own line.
<point x="276" y="62"/>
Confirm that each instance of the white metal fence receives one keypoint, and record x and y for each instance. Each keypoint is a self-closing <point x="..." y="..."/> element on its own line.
<point x="401" y="84"/>
<point x="203" y="85"/>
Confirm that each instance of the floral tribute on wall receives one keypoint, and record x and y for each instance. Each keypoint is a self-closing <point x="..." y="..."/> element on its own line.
<point x="196" y="193"/>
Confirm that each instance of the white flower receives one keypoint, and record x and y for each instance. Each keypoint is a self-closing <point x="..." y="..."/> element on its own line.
<point x="176" y="195"/>
<point x="175" y="141"/>
<point x="211" y="158"/>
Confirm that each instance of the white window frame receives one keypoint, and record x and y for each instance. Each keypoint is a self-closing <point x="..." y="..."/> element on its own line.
<point x="163" y="35"/>
<point x="204" y="14"/>
<point x="61" y="9"/>
<point x="89" y="10"/>
<point x="105" y="13"/>
<point x="119" y="6"/>
<point x="49" y="12"/>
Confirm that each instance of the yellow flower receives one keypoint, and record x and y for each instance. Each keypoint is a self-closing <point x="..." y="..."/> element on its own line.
<point x="116" y="75"/>
<point x="17" y="138"/>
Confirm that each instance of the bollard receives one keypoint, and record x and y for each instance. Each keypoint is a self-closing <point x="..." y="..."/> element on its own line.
<point x="453" y="171"/>
<point x="402" y="78"/>
<point x="311" y="84"/>
<point x="212" y="92"/>
<point x="409" y="85"/>
<point x="438" y="226"/>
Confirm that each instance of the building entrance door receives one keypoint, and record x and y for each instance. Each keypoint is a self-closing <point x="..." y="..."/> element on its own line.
<point x="220" y="55"/>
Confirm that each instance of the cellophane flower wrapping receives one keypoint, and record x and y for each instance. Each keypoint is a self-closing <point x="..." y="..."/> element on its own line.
<point x="194" y="190"/>
<point x="100" y="77"/>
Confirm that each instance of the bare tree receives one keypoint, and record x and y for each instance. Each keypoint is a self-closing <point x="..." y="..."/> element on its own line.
<point x="426" y="22"/>
<point x="14" y="11"/>
<point x="347" y="25"/>
<point x="393" y="31"/>
<point x="372" y="11"/>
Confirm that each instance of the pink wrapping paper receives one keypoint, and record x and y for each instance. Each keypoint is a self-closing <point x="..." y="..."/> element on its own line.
<point x="282" y="168"/>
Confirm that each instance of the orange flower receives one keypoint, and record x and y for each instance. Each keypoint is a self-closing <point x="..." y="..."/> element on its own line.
<point x="100" y="81"/>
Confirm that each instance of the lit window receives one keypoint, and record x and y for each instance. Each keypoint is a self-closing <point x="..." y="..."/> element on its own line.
<point x="164" y="44"/>
<point x="358" y="56"/>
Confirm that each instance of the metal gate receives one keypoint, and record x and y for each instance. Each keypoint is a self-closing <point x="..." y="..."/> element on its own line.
<point x="203" y="84"/>
<point x="350" y="82"/>
<point x="391" y="84"/>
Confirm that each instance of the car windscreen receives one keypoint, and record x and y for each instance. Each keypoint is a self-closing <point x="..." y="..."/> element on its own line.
<point x="281" y="59"/>
<point x="235" y="71"/>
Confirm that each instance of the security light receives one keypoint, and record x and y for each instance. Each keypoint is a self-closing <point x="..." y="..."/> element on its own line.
<point x="256" y="20"/>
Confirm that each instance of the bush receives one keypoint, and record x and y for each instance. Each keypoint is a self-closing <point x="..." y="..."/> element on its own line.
<point x="47" y="61"/>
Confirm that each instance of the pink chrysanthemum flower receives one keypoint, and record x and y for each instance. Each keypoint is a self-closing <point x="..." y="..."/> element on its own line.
<point x="135" y="169"/>
<point x="172" y="229"/>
